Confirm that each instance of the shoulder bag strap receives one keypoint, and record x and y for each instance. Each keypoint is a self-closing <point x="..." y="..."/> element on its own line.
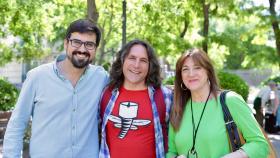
<point x="230" y="124"/>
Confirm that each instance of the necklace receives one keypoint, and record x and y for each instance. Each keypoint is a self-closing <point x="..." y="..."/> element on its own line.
<point x="192" y="152"/>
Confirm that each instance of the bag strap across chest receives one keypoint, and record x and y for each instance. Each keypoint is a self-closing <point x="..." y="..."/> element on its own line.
<point x="230" y="124"/>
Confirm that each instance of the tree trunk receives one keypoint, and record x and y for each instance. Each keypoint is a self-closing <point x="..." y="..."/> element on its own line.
<point x="205" y="25"/>
<point x="186" y="25"/>
<point x="275" y="24"/>
<point x="102" y="48"/>
<point x="104" y="37"/>
<point x="92" y="13"/>
<point x="124" y="23"/>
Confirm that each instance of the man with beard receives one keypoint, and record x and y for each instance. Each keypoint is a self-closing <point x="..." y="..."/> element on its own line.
<point x="61" y="98"/>
<point x="135" y="107"/>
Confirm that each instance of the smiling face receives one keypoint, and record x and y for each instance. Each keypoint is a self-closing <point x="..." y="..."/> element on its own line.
<point x="136" y="67"/>
<point x="80" y="57"/>
<point x="194" y="76"/>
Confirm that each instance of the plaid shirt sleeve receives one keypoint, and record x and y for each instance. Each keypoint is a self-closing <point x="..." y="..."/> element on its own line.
<point x="104" y="150"/>
<point x="168" y="99"/>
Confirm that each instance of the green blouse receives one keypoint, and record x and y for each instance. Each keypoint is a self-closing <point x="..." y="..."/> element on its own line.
<point x="211" y="139"/>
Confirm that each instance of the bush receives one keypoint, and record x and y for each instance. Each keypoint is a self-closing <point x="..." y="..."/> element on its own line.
<point x="8" y="95"/>
<point x="233" y="82"/>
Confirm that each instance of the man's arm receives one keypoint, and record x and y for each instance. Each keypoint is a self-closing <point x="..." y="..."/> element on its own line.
<point x="13" y="139"/>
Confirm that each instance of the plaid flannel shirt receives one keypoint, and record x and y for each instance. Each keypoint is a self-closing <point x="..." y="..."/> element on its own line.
<point x="168" y="99"/>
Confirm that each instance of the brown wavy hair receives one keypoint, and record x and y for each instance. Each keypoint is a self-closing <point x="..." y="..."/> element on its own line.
<point x="116" y="73"/>
<point x="182" y="96"/>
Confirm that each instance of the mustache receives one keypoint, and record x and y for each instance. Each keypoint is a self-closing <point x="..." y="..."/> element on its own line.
<point x="79" y="52"/>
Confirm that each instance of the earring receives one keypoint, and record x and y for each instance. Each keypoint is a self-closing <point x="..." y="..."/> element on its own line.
<point x="183" y="87"/>
<point x="209" y="82"/>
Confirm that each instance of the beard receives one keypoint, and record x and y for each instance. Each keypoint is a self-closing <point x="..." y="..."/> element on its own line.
<point x="79" y="63"/>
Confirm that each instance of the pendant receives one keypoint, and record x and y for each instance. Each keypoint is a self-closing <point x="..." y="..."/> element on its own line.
<point x="192" y="154"/>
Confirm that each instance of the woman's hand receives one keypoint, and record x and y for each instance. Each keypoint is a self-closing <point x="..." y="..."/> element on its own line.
<point x="237" y="154"/>
<point x="180" y="156"/>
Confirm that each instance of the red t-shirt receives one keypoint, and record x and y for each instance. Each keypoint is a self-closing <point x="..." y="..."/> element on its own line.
<point x="130" y="128"/>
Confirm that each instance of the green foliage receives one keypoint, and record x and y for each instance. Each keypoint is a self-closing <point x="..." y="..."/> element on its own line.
<point x="106" y="66"/>
<point x="8" y="95"/>
<point x="244" y="46"/>
<point x="233" y="82"/>
<point x="171" y="26"/>
<point x="275" y="78"/>
<point x="36" y="26"/>
<point x="169" y="81"/>
<point x="162" y="23"/>
<point x="5" y="54"/>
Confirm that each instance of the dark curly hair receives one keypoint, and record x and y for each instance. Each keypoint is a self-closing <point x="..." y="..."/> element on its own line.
<point x="116" y="73"/>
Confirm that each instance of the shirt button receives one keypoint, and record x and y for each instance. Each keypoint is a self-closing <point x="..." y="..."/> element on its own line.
<point x="73" y="127"/>
<point x="74" y="110"/>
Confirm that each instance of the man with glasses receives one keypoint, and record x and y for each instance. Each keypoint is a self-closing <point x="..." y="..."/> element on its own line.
<point x="61" y="98"/>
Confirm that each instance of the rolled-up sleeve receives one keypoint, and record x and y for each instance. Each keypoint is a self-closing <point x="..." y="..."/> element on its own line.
<point x="256" y="145"/>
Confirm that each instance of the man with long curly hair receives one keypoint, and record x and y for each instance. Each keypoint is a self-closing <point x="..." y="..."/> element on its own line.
<point x="135" y="107"/>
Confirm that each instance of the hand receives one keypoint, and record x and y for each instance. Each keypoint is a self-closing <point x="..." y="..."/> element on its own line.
<point x="274" y="113"/>
<point x="237" y="154"/>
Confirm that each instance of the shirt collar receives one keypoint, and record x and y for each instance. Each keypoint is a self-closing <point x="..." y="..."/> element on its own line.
<point x="59" y="58"/>
<point x="151" y="89"/>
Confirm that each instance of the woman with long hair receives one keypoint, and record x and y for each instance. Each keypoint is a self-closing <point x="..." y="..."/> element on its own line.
<point x="197" y="127"/>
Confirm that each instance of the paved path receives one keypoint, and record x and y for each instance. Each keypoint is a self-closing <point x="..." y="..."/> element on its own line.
<point x="274" y="138"/>
<point x="1" y="146"/>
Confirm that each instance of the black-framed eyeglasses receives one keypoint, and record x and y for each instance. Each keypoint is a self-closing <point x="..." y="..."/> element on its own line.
<point x="78" y="43"/>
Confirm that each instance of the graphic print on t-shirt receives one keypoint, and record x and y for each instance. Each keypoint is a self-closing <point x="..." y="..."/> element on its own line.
<point x="127" y="118"/>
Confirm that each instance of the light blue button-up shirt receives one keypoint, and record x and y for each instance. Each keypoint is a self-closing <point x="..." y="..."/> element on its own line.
<point x="64" y="118"/>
